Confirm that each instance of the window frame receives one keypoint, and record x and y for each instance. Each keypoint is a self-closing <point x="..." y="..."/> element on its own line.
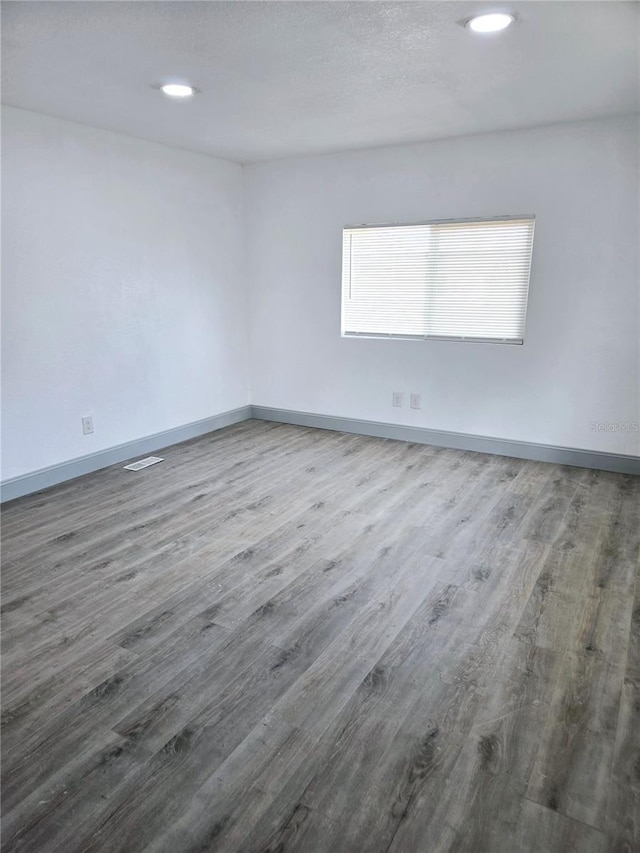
<point x="451" y="338"/>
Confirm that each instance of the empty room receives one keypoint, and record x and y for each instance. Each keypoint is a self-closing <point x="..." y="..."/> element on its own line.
<point x="320" y="426"/>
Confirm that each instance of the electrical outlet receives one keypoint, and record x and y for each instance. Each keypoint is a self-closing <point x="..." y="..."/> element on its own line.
<point x="87" y="425"/>
<point x="415" y="401"/>
<point x="397" y="398"/>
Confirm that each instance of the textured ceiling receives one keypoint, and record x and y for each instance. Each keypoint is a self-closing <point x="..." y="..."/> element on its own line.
<point x="289" y="78"/>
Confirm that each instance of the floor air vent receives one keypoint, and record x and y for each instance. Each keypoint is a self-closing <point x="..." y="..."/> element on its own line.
<point x="143" y="463"/>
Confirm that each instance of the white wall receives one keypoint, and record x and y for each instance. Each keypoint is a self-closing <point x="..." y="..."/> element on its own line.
<point x="123" y="289"/>
<point x="124" y="297"/>
<point x="580" y="361"/>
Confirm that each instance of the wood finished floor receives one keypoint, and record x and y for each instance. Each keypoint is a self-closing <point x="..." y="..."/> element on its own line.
<point x="284" y="639"/>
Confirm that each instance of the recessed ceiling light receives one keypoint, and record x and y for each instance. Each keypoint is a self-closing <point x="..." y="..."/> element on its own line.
<point x="178" y="90"/>
<point x="491" y="23"/>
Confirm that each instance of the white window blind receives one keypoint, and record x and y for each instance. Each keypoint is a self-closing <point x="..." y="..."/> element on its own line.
<point x="465" y="279"/>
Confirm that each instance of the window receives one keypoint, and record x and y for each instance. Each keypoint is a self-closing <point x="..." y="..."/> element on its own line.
<point x="463" y="280"/>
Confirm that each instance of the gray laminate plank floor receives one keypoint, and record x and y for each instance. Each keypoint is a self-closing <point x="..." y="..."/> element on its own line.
<point x="286" y="639"/>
